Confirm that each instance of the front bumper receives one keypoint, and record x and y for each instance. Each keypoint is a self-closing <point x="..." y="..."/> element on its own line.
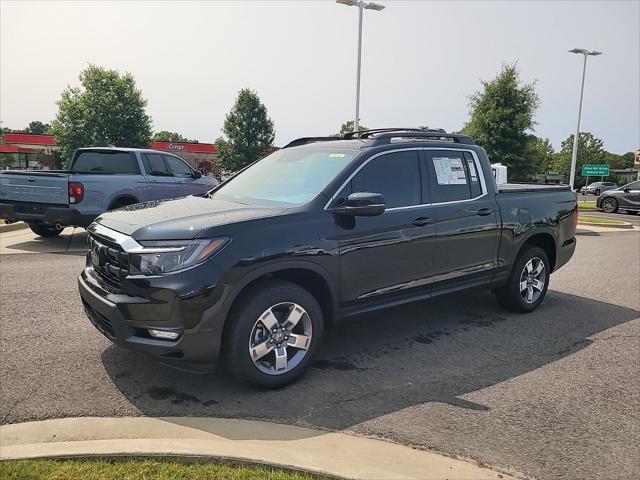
<point x="158" y="303"/>
<point x="43" y="213"/>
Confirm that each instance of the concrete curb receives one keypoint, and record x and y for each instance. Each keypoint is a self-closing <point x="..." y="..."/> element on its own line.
<point x="10" y="227"/>
<point x="622" y="225"/>
<point x="329" y="453"/>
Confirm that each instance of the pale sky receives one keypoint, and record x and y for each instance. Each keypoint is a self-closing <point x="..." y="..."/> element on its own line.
<point x="420" y="62"/>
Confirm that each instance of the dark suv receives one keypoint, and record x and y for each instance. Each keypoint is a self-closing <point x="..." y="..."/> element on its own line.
<point x="319" y="231"/>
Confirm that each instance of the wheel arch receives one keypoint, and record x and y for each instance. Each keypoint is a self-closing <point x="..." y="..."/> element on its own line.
<point x="309" y="276"/>
<point x="127" y="197"/>
<point x="546" y="242"/>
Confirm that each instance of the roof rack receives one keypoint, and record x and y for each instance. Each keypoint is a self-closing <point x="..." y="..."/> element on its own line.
<point x="390" y="135"/>
<point x="307" y="140"/>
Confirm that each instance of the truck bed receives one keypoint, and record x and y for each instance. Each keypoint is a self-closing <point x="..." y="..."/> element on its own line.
<point x="530" y="187"/>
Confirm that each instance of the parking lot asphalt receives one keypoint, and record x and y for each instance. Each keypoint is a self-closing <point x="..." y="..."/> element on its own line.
<point x="553" y="394"/>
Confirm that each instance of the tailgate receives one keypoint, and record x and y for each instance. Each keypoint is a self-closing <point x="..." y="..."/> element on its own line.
<point x="34" y="187"/>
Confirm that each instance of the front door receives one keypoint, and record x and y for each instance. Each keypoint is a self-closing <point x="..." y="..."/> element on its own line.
<point x="161" y="183"/>
<point x="389" y="254"/>
<point x="465" y="219"/>
<point x="183" y="175"/>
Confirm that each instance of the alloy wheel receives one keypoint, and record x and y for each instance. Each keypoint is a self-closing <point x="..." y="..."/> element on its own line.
<point x="532" y="280"/>
<point x="280" y="338"/>
<point x="609" y="205"/>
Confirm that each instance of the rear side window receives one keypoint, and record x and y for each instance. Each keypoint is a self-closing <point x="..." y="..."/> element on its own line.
<point x="395" y="175"/>
<point x="105" y="162"/>
<point x="178" y="167"/>
<point x="154" y="164"/>
<point x="452" y="176"/>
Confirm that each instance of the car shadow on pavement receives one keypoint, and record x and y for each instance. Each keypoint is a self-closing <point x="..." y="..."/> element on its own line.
<point x="72" y="243"/>
<point x="427" y="352"/>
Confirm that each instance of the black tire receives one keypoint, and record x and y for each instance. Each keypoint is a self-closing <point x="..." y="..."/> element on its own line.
<point x="510" y="295"/>
<point x="609" y="205"/>
<point x="241" y="326"/>
<point x="45" y="230"/>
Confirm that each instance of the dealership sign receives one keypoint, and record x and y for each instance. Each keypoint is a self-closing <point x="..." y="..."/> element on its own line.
<point x="176" y="146"/>
<point x="595" y="170"/>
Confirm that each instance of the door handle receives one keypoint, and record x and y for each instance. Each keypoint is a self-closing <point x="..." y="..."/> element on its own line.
<point x="483" y="212"/>
<point x="421" y="221"/>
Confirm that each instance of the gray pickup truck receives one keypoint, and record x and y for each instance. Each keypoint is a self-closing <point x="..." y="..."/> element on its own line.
<point x="99" y="180"/>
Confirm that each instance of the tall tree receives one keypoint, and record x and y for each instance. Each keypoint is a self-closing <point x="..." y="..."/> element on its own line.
<point x="501" y="115"/>
<point x="541" y="153"/>
<point x="107" y="109"/>
<point x="590" y="151"/>
<point x="249" y="132"/>
<point x="38" y="128"/>
<point x="167" y="136"/>
<point x="347" y="127"/>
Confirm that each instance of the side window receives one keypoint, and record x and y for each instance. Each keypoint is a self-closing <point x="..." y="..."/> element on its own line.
<point x="450" y="179"/>
<point x="154" y="164"/>
<point x="178" y="167"/>
<point x="395" y="175"/>
<point x="474" y="176"/>
<point x="634" y="186"/>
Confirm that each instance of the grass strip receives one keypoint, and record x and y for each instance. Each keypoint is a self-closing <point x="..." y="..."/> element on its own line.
<point x="141" y="469"/>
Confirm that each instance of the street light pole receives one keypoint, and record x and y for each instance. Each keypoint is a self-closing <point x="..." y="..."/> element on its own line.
<point x="362" y="5"/>
<point x="574" y="154"/>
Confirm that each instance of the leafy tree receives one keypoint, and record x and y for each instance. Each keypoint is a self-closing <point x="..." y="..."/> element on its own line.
<point x="249" y="132"/>
<point x="500" y="117"/>
<point x="38" y="128"/>
<point x="347" y="127"/>
<point x="541" y="153"/>
<point x="590" y="151"/>
<point x="107" y="109"/>
<point x="167" y="136"/>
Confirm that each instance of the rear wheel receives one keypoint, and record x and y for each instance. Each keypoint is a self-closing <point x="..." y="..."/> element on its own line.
<point x="610" y="205"/>
<point x="45" y="230"/>
<point x="273" y="334"/>
<point x="528" y="282"/>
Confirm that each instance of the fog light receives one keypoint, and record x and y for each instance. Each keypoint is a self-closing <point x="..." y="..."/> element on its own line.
<point x="163" y="334"/>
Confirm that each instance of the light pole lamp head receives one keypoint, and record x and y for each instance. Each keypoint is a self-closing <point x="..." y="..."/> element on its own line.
<point x="349" y="3"/>
<point x="373" y="6"/>
<point x="584" y="51"/>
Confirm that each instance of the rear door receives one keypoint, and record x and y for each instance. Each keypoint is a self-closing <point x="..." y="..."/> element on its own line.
<point x="631" y="197"/>
<point x="389" y="254"/>
<point x="46" y="188"/>
<point x="161" y="183"/>
<point x="186" y="183"/>
<point x="465" y="219"/>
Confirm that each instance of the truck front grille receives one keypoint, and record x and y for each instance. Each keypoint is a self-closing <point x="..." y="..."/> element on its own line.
<point x="110" y="263"/>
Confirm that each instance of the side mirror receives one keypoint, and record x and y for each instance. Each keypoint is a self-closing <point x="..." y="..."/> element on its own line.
<point x="362" y="204"/>
<point x="626" y="189"/>
<point x="196" y="174"/>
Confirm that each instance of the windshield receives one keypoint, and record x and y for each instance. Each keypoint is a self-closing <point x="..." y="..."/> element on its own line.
<point x="291" y="177"/>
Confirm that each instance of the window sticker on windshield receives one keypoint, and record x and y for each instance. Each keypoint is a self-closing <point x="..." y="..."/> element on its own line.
<point x="449" y="171"/>
<point x="336" y="155"/>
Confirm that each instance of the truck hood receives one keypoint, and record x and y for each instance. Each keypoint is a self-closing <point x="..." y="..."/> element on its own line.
<point x="181" y="218"/>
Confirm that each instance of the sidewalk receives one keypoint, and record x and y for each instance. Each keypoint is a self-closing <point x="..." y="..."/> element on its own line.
<point x="329" y="453"/>
<point x="23" y="240"/>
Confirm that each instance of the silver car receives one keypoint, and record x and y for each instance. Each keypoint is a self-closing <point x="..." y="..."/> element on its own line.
<point x="596" y="188"/>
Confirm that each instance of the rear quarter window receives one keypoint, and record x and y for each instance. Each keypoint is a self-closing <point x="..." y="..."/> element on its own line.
<point x="105" y="162"/>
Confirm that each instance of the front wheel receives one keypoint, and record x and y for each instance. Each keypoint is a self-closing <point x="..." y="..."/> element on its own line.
<point x="273" y="334"/>
<point x="45" y="230"/>
<point x="610" y="205"/>
<point x="528" y="282"/>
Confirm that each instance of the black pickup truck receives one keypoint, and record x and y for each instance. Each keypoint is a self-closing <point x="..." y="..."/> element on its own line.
<point x="322" y="230"/>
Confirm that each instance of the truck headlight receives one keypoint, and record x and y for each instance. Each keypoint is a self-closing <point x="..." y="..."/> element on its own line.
<point x="159" y="257"/>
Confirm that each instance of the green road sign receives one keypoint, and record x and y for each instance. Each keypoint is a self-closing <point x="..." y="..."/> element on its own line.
<point x="595" y="170"/>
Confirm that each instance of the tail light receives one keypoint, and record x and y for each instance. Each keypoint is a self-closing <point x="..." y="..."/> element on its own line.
<point x="575" y="218"/>
<point x="76" y="192"/>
